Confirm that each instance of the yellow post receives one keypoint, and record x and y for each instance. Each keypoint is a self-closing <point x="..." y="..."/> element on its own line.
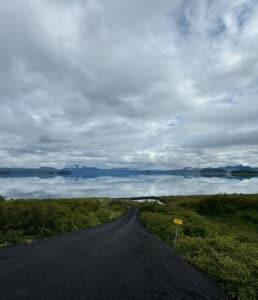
<point x="177" y="222"/>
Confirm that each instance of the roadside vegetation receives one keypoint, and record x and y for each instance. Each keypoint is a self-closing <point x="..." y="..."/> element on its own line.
<point x="26" y="220"/>
<point x="219" y="236"/>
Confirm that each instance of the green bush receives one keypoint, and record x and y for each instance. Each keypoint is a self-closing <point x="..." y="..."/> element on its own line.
<point x="219" y="236"/>
<point x="31" y="219"/>
<point x="226" y="204"/>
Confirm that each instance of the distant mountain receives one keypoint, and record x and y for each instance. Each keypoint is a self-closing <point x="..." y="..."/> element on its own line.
<point x="241" y="172"/>
<point x="245" y="172"/>
<point x="213" y="172"/>
<point x="91" y="172"/>
<point x="42" y="172"/>
<point x="238" y="171"/>
<point x="238" y="167"/>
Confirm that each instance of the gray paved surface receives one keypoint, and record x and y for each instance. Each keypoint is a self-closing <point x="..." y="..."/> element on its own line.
<point x="119" y="260"/>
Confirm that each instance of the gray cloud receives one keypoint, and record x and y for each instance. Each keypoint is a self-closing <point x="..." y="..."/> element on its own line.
<point x="144" y="84"/>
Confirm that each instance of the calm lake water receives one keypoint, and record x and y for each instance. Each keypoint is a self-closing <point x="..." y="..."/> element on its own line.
<point x="57" y="187"/>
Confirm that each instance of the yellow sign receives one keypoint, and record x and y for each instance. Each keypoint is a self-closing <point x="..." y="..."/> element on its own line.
<point x="178" y="221"/>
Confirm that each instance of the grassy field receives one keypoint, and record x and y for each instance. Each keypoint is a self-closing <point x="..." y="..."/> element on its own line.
<point x="219" y="236"/>
<point x="26" y="220"/>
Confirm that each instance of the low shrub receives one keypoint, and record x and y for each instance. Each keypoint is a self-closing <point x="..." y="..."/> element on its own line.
<point x="21" y="220"/>
<point x="215" y="237"/>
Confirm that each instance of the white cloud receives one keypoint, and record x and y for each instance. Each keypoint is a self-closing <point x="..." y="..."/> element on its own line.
<point x="112" y="83"/>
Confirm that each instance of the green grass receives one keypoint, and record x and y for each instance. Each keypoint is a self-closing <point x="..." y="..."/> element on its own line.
<point x="26" y="220"/>
<point x="219" y="236"/>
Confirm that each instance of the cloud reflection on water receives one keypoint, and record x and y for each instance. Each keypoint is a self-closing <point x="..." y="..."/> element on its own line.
<point x="58" y="187"/>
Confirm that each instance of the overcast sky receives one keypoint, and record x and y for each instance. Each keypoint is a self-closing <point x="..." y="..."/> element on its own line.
<point x="137" y="83"/>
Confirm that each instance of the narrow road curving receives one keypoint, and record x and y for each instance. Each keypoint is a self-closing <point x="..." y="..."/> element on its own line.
<point x="119" y="260"/>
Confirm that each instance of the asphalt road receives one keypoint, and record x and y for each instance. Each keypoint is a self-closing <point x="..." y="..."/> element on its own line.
<point x="119" y="260"/>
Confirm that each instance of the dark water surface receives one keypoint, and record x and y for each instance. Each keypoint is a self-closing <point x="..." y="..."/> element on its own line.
<point x="57" y="187"/>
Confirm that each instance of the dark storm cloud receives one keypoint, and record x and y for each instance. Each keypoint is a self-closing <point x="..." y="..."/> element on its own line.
<point x="137" y="83"/>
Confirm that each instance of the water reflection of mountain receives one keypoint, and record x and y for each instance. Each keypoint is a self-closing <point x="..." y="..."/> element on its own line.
<point x="235" y="172"/>
<point x="88" y="172"/>
<point x="213" y="172"/>
<point x="28" y="172"/>
<point x="230" y="172"/>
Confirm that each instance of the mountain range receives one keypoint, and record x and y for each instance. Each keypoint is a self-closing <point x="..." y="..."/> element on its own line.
<point x="238" y="171"/>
